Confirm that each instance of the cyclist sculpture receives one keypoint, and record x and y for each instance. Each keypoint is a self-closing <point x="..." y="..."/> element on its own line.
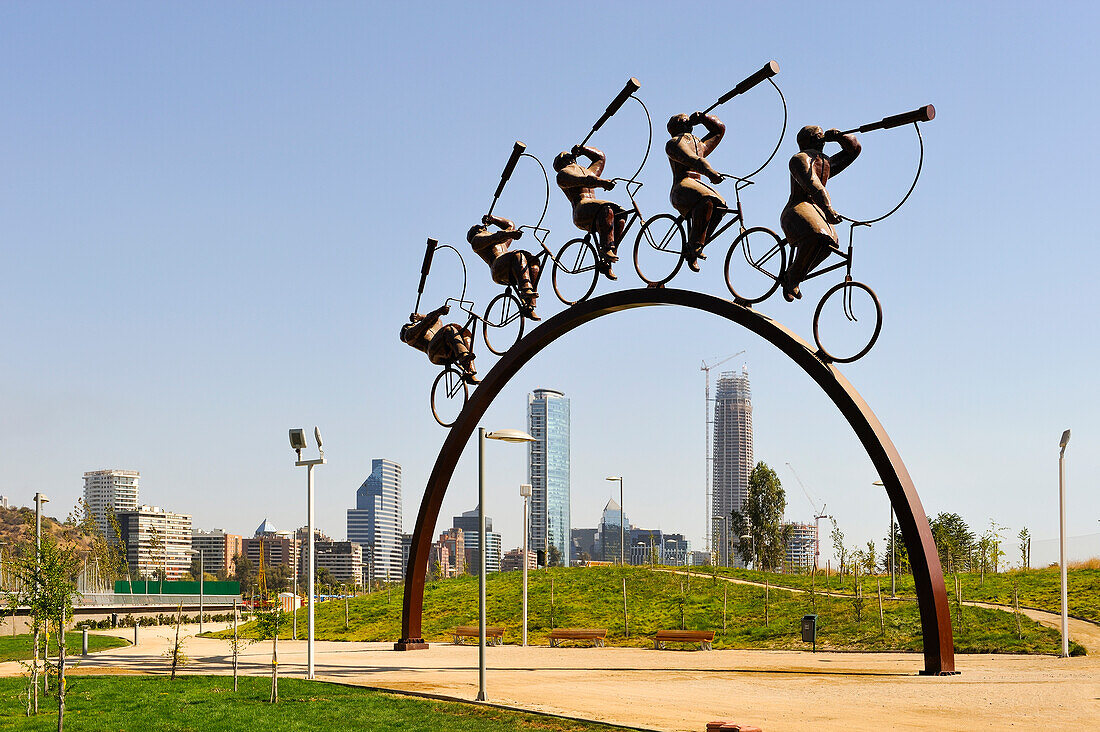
<point x="808" y="217"/>
<point x="517" y="268"/>
<point x="446" y="344"/>
<point x="697" y="202"/>
<point x="579" y="184"/>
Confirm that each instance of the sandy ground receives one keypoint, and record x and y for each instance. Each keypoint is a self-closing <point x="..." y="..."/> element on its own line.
<point x="682" y="690"/>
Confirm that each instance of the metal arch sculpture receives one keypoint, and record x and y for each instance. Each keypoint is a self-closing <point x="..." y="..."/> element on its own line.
<point x="939" y="653"/>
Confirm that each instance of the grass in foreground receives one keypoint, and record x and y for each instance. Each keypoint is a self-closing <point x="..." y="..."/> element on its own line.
<point x="18" y="648"/>
<point x="108" y="703"/>
<point x="592" y="598"/>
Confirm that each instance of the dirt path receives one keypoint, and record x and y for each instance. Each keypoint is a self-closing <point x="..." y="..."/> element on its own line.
<point x="1081" y="631"/>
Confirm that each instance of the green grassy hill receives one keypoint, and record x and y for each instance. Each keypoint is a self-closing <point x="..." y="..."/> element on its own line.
<point x="1038" y="588"/>
<point x="593" y="598"/>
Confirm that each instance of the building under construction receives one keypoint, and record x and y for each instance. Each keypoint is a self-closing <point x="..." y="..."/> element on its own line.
<point x="732" y="457"/>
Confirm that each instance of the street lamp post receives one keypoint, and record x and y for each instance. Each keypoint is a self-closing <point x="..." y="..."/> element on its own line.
<point x="507" y="435"/>
<point x="1062" y="538"/>
<point x="525" y="491"/>
<point x="622" y="520"/>
<point x="298" y="443"/>
<point x="202" y="571"/>
<point x="39" y="499"/>
<point x="893" y="553"/>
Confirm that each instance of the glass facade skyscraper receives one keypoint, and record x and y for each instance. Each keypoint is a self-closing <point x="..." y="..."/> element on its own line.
<point x="375" y="522"/>
<point x="733" y="455"/>
<point x="548" y="471"/>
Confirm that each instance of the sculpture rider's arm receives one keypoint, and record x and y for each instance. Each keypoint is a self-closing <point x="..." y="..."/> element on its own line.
<point x="802" y="172"/>
<point x="683" y="152"/>
<point x="568" y="179"/>
<point x="715" y="131"/>
<point x="849" y="151"/>
<point x="595" y="155"/>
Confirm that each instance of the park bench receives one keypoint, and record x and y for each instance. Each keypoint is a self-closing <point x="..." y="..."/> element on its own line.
<point x="494" y="635"/>
<point x="596" y="635"/>
<point x="703" y="637"/>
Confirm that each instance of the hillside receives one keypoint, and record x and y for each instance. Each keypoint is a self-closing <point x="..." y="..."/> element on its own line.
<point x="17" y="530"/>
<point x="593" y="597"/>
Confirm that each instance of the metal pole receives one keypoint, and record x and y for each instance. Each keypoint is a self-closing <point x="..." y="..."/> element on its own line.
<point x="481" y="574"/>
<point x="202" y="571"/>
<point x="309" y="568"/>
<point x="525" y="570"/>
<point x="622" y="531"/>
<point x="84" y="642"/>
<point x="297" y="571"/>
<point x="893" y="557"/>
<point x="1062" y="546"/>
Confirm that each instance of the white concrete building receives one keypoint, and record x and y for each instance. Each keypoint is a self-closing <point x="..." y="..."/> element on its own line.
<point x="107" y="491"/>
<point x="156" y="540"/>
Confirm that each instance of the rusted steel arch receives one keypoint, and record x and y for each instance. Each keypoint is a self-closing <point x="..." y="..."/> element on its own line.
<point x="939" y="652"/>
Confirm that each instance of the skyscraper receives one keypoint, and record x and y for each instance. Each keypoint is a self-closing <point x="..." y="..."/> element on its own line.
<point x="733" y="452"/>
<point x="110" y="491"/>
<point x="375" y="522"/>
<point x="471" y="533"/>
<point x="548" y="471"/>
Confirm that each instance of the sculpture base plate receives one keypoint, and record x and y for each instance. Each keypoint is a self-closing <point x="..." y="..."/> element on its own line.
<point x="410" y="644"/>
<point x="926" y="672"/>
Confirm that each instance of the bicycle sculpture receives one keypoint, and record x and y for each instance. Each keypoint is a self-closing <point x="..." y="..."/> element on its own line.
<point x="757" y="262"/>
<point x="666" y="242"/>
<point x="605" y="223"/>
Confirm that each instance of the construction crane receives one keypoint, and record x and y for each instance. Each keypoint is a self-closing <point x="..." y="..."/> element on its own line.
<point x="818" y="515"/>
<point x="707" y="530"/>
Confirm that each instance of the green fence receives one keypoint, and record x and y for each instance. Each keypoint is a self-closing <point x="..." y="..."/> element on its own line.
<point x="171" y="587"/>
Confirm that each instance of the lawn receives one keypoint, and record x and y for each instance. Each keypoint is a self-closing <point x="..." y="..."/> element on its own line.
<point x="108" y="703"/>
<point x="592" y="597"/>
<point x="1038" y="588"/>
<point x="18" y="648"/>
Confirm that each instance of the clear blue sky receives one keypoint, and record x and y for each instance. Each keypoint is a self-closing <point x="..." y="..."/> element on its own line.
<point x="212" y="217"/>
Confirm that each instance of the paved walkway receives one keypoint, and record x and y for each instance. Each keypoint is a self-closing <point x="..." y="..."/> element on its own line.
<point x="682" y="690"/>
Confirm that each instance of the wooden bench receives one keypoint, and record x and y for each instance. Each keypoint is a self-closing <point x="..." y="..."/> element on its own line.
<point x="494" y="635"/>
<point x="596" y="635"/>
<point x="703" y="637"/>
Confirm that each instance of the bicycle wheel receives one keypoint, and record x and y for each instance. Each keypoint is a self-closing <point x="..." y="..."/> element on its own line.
<point x="449" y="393"/>
<point x="849" y="318"/>
<point x="659" y="249"/>
<point x="755" y="261"/>
<point x="504" y="321"/>
<point x="576" y="269"/>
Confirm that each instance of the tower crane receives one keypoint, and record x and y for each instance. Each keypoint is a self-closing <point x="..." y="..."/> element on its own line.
<point x="818" y="515"/>
<point x="707" y="530"/>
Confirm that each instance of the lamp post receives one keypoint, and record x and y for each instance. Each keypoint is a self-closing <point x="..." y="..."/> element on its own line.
<point x="525" y="491"/>
<point x="298" y="443"/>
<point x="39" y="499"/>
<point x="202" y="571"/>
<point x="1062" y="538"/>
<point x="723" y="555"/>
<point x="893" y="553"/>
<point x="503" y="436"/>
<point x="622" y="520"/>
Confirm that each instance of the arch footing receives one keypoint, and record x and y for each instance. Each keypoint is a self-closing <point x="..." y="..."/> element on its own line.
<point x="935" y="615"/>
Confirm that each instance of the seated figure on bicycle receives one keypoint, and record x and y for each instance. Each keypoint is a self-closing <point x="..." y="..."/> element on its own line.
<point x="808" y="217"/>
<point x="444" y="343"/>
<point x="518" y="268"/>
<point x="579" y="183"/>
<point x="697" y="202"/>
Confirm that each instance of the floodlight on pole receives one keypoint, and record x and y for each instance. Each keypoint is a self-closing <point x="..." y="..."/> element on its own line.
<point x="622" y="520"/>
<point x="1062" y="538"/>
<point x="525" y="491"/>
<point x="505" y="435"/>
<point x="298" y="443"/>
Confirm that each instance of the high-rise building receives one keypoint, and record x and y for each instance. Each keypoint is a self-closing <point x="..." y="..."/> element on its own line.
<point x="375" y="522"/>
<point x="277" y="547"/>
<point x="218" y="549"/>
<point x="733" y="452"/>
<point x="613" y="526"/>
<point x="548" y="472"/>
<point x="468" y="522"/>
<point x="158" y="542"/>
<point x="450" y="552"/>
<point x="799" y="551"/>
<point x="110" y="491"/>
<point x="513" y="560"/>
<point x="343" y="559"/>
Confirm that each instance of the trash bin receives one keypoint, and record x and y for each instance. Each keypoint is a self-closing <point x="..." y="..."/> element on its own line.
<point x="809" y="630"/>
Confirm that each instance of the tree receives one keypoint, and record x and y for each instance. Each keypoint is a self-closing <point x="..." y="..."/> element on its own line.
<point x="1025" y="548"/>
<point x="954" y="540"/>
<point x="839" y="549"/>
<point x="244" y="573"/>
<point x="763" y="520"/>
<point x="900" y="551"/>
<point x="555" y="557"/>
<point x="270" y="620"/>
<point x="869" y="561"/>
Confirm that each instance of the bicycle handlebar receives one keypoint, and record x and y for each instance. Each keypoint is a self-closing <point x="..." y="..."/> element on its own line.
<point x="769" y="70"/>
<point x="632" y="85"/>
<point x="927" y="113"/>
